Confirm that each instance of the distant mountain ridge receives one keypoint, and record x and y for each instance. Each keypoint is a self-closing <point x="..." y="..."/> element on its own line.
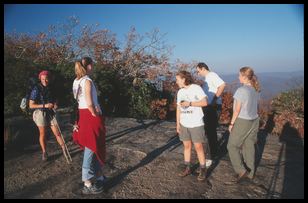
<point x="272" y="83"/>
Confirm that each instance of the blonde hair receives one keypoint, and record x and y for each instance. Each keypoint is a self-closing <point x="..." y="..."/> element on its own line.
<point x="80" y="71"/>
<point x="249" y="73"/>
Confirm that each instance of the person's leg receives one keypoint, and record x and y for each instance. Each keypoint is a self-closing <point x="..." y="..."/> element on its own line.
<point x="210" y="119"/>
<point x="187" y="157"/>
<point x="200" y="153"/>
<point x="187" y="151"/>
<point x="213" y="131"/>
<point x="100" y="178"/>
<point x="236" y="140"/>
<point x="40" y="122"/>
<point x="201" y="158"/>
<point x="89" y="173"/>
<point x="58" y="136"/>
<point x="42" y="137"/>
<point x="249" y="148"/>
<point x="218" y="112"/>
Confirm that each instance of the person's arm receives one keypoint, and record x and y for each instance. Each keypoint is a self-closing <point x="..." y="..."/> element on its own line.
<point x="89" y="100"/>
<point x="200" y="103"/>
<point x="236" y="112"/>
<point x="33" y="105"/>
<point x="218" y="93"/>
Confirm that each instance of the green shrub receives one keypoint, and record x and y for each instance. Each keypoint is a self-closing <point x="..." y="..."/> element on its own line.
<point x="141" y="96"/>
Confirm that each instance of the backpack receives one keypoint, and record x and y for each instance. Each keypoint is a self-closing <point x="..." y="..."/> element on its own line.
<point x="24" y="104"/>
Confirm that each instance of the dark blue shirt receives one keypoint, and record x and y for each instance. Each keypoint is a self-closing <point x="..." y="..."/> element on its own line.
<point x="41" y="95"/>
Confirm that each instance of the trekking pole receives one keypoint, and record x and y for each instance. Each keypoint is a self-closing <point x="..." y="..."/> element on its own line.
<point x="66" y="151"/>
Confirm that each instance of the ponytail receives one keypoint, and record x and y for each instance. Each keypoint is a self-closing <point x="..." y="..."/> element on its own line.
<point x="81" y="66"/>
<point x="249" y="73"/>
<point x="80" y="71"/>
<point x="255" y="83"/>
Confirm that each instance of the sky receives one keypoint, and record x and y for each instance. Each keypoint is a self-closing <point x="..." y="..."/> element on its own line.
<point x="268" y="38"/>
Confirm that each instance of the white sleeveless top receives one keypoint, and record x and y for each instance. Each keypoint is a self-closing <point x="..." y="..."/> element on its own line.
<point x="82" y="104"/>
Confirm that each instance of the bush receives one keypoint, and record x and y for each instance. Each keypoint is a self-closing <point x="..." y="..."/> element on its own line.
<point x="141" y="96"/>
<point x="288" y="107"/>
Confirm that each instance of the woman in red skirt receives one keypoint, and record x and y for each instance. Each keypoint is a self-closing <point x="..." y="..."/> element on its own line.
<point x="90" y="133"/>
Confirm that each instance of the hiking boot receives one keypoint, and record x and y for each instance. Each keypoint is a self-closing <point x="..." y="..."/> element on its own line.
<point x="92" y="190"/>
<point x="44" y="156"/>
<point x="208" y="163"/>
<point x="186" y="172"/>
<point x="202" y="174"/>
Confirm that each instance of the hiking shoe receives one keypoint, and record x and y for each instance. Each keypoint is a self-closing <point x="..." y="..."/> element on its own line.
<point x="242" y="177"/>
<point x="100" y="182"/>
<point x="208" y="163"/>
<point x="202" y="174"/>
<point x="186" y="172"/>
<point x="93" y="189"/>
<point x="44" y="156"/>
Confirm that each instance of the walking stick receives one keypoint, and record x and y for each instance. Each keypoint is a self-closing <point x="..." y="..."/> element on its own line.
<point x="65" y="151"/>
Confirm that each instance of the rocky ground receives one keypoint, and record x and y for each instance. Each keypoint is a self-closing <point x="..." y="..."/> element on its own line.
<point x="144" y="157"/>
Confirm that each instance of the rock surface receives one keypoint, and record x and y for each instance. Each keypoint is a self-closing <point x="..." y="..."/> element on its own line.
<point x="143" y="159"/>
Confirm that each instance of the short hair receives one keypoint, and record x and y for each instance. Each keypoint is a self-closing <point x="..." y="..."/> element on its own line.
<point x="203" y="65"/>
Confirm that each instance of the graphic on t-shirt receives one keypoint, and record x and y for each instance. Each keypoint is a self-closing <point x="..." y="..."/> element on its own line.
<point x="184" y="109"/>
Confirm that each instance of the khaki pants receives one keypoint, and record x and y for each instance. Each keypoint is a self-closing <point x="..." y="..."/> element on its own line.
<point x="243" y="137"/>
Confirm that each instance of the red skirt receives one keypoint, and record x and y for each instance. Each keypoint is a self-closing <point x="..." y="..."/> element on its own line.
<point x="91" y="134"/>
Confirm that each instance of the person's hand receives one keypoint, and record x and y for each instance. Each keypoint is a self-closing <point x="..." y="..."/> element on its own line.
<point x="185" y="104"/>
<point x="55" y="106"/>
<point x="49" y="105"/>
<point x="98" y="111"/>
<point x="230" y="127"/>
<point x="75" y="128"/>
<point x="178" y="129"/>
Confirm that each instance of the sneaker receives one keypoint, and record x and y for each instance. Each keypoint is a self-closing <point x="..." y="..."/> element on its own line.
<point x="202" y="174"/>
<point x="208" y="163"/>
<point x="100" y="181"/>
<point x="93" y="189"/>
<point x="186" y="172"/>
<point x="44" y="156"/>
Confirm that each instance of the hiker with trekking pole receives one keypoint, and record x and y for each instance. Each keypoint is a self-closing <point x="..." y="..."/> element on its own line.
<point x="89" y="129"/>
<point x="42" y="103"/>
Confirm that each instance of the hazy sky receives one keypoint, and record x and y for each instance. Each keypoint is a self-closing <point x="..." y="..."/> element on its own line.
<point x="266" y="37"/>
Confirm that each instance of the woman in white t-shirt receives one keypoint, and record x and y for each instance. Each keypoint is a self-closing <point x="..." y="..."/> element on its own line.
<point x="90" y="134"/>
<point x="189" y="121"/>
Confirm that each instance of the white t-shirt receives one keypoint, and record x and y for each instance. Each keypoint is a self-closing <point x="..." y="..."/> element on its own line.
<point x="82" y="104"/>
<point x="191" y="116"/>
<point x="210" y="87"/>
